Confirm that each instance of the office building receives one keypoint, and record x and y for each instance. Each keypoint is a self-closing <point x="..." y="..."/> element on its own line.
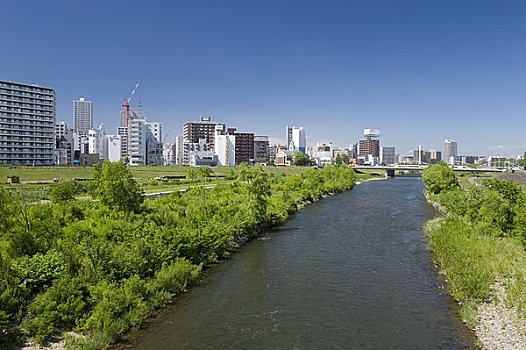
<point x="27" y="124"/>
<point x="296" y="140"/>
<point x="450" y="151"/>
<point x="370" y="145"/>
<point x="387" y="155"/>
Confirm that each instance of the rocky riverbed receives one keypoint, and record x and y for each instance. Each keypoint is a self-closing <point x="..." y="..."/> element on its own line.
<point x="499" y="327"/>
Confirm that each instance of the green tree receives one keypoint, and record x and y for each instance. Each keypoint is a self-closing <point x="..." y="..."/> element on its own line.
<point x="338" y="159"/>
<point x="63" y="191"/>
<point x="301" y="159"/>
<point x="345" y="158"/>
<point x="114" y="185"/>
<point x="439" y="177"/>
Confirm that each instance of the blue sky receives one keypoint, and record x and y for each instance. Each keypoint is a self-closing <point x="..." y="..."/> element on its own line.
<point x="421" y="71"/>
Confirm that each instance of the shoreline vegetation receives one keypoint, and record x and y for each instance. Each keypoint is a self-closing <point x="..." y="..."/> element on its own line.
<point x="80" y="273"/>
<point x="479" y="245"/>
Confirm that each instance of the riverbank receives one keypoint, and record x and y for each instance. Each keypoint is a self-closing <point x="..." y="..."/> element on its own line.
<point x="326" y="278"/>
<point x="111" y="269"/>
<point x="484" y="266"/>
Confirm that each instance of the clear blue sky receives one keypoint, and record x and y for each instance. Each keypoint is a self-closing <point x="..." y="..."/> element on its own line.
<point x="421" y="71"/>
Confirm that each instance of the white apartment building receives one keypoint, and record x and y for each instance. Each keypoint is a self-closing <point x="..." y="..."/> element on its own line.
<point x="27" y="124"/>
<point x="224" y="147"/>
<point x="97" y="142"/>
<point x="113" y="147"/>
<point x="144" y="145"/>
<point x="137" y="142"/>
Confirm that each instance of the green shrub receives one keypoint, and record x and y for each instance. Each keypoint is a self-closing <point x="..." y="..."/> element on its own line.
<point x="439" y="177"/>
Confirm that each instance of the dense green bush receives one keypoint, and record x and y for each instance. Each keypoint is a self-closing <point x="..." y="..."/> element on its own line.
<point x="99" y="267"/>
<point x="481" y="242"/>
<point x="113" y="184"/>
<point x="63" y="191"/>
<point x="439" y="177"/>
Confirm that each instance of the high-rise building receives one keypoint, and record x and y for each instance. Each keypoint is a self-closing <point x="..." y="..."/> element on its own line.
<point x="82" y="116"/>
<point x="113" y="146"/>
<point x="27" y="124"/>
<point x="203" y="129"/>
<point x="154" y="143"/>
<point x="144" y="147"/>
<point x="387" y="155"/>
<point x="225" y="147"/>
<point x="244" y="146"/>
<point x="97" y="143"/>
<point x="296" y="140"/>
<point x="433" y="156"/>
<point x="122" y="131"/>
<point x="64" y="144"/>
<point x="137" y="142"/>
<point x="370" y="146"/>
<point x="450" y="151"/>
<point x="261" y="146"/>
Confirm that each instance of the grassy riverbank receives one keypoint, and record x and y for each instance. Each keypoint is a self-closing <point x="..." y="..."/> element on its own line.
<point x="36" y="182"/>
<point x="480" y="248"/>
<point x="98" y="268"/>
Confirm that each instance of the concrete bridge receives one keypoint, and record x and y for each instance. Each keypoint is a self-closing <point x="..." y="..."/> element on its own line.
<point x="390" y="170"/>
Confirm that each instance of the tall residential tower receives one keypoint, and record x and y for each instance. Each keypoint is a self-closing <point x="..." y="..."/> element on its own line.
<point x="450" y="151"/>
<point x="82" y="116"/>
<point x="27" y="124"/>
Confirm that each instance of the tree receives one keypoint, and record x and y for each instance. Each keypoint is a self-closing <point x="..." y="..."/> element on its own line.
<point x="301" y="159"/>
<point x="439" y="177"/>
<point x="114" y="185"/>
<point x="338" y="159"/>
<point x="63" y="191"/>
<point x="345" y="158"/>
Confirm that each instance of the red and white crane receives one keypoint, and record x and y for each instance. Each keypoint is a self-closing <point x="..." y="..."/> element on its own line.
<point x="126" y="105"/>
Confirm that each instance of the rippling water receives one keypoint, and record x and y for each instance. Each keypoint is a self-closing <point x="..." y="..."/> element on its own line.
<point x="349" y="272"/>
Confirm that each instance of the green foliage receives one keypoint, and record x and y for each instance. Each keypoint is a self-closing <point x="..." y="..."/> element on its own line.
<point x="465" y="257"/>
<point x="100" y="267"/>
<point x="59" y="307"/>
<point x="301" y="159"/>
<point x="39" y="270"/>
<point x="113" y="185"/>
<point x="63" y="191"/>
<point x="481" y="243"/>
<point x="439" y="177"/>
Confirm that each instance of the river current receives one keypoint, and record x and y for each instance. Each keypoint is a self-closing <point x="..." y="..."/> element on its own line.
<point x="349" y="272"/>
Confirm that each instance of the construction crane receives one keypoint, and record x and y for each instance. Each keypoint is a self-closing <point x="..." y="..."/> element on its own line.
<point x="126" y="105"/>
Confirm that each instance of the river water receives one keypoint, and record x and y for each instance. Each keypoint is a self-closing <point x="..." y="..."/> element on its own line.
<point x="349" y="272"/>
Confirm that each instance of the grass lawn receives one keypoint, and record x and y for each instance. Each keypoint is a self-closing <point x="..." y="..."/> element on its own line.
<point x="141" y="172"/>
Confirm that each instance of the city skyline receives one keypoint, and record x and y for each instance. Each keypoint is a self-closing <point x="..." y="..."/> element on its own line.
<point x="420" y="72"/>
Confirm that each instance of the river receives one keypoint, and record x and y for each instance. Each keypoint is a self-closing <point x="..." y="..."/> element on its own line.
<point x="349" y="272"/>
